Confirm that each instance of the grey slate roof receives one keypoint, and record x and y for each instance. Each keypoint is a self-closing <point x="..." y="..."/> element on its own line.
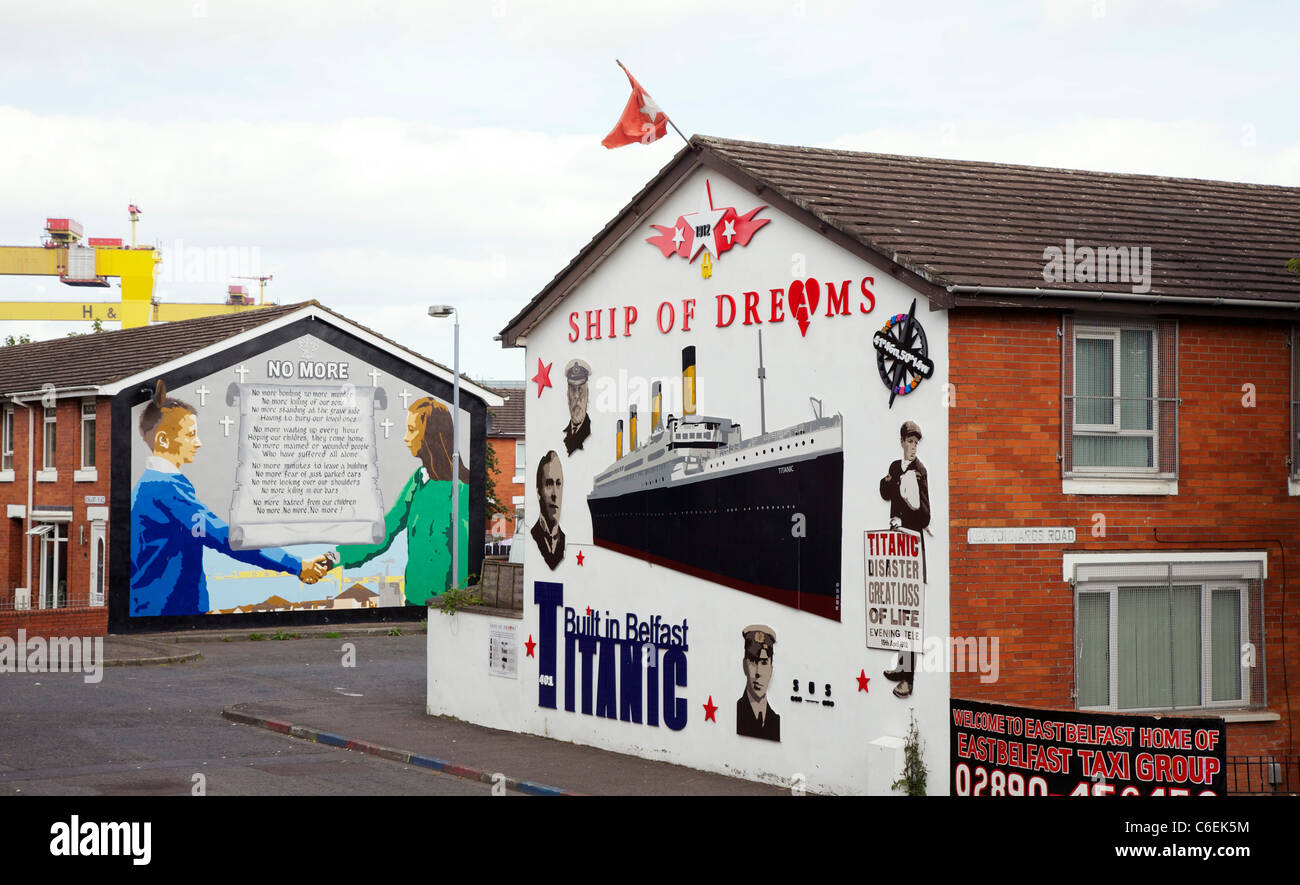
<point x="101" y="358"/>
<point x="971" y="223"/>
<point x="508" y="420"/>
<point x="936" y="224"/>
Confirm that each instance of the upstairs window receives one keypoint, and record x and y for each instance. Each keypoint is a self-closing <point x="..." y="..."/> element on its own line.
<point x="88" y="435"/>
<point x="7" y="440"/>
<point x="49" y="436"/>
<point x="1120" y="399"/>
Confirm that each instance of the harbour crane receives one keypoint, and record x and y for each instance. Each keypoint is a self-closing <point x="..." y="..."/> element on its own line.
<point x="62" y="254"/>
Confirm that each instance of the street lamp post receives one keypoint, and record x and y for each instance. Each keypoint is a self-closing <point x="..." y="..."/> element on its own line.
<point x="442" y="311"/>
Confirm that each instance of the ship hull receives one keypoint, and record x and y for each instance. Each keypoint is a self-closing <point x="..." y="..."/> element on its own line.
<point x="772" y="531"/>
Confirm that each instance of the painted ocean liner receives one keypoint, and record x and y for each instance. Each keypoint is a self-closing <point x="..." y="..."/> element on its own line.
<point x="761" y="515"/>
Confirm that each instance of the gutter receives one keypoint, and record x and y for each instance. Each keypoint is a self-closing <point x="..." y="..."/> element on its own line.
<point x="1122" y="296"/>
<point x="57" y="391"/>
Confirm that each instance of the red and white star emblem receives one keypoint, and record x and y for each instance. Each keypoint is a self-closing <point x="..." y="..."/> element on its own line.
<point x="712" y="230"/>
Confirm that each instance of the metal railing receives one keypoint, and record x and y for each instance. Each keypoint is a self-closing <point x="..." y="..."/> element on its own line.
<point x="9" y="602"/>
<point x="1263" y="775"/>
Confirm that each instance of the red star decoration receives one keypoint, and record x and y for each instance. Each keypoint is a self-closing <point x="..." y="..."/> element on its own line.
<point x="709" y="710"/>
<point x="863" y="679"/>
<point x="543" y="376"/>
<point x="588" y="611"/>
<point x="530" y="645"/>
<point x="579" y="557"/>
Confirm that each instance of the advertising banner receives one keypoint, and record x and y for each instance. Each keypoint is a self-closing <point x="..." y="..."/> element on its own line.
<point x="998" y="750"/>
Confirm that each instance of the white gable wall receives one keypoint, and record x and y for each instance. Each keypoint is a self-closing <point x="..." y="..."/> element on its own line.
<point x="825" y="748"/>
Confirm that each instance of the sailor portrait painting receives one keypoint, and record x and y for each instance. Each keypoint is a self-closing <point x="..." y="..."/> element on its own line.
<point x="754" y="718"/>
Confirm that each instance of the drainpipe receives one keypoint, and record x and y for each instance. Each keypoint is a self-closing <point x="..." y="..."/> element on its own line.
<point x="31" y="443"/>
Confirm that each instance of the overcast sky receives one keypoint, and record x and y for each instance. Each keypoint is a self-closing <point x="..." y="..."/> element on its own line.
<point x="380" y="157"/>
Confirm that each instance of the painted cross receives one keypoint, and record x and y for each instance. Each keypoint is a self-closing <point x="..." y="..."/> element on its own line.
<point x="386" y="424"/>
<point x="241" y="372"/>
<point x="226" y="422"/>
<point x="203" y="394"/>
<point x="374" y="376"/>
<point x="405" y="395"/>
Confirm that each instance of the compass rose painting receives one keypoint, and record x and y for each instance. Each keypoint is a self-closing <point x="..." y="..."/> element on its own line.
<point x="902" y="354"/>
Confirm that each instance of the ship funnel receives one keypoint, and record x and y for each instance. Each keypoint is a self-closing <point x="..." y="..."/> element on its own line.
<point x="618" y="436"/>
<point x="656" y="405"/>
<point x="631" y="430"/>
<point x="688" y="380"/>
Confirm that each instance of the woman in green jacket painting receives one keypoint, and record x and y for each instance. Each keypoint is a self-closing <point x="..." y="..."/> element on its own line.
<point x="423" y="509"/>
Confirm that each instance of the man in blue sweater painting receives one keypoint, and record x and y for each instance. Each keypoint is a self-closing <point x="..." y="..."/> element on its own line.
<point x="170" y="526"/>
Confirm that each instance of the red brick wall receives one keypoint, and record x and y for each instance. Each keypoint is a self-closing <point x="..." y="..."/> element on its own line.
<point x="65" y="492"/>
<point x="80" y="621"/>
<point x="506" y="490"/>
<point x="1005" y="432"/>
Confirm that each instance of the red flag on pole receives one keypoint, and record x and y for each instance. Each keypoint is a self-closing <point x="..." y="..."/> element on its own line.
<point x="642" y="119"/>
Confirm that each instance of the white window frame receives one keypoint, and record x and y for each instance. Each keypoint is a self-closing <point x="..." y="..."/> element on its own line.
<point x="7" y="444"/>
<point x="521" y="463"/>
<point x="1235" y="569"/>
<point x="1112" y="588"/>
<point x="87" y="420"/>
<point x="49" y="417"/>
<point x="49" y="533"/>
<point x="1113" y="334"/>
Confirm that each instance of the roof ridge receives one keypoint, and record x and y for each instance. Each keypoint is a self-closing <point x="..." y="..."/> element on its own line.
<point x="714" y="141"/>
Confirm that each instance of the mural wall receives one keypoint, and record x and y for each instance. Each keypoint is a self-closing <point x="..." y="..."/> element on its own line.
<point x="738" y="444"/>
<point x="300" y="479"/>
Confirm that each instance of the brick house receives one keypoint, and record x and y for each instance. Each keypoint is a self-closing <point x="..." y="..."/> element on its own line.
<point x="506" y="439"/>
<point x="1156" y="417"/>
<point x="71" y="451"/>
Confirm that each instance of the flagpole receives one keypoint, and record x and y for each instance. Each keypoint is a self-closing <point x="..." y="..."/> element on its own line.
<point x="666" y="117"/>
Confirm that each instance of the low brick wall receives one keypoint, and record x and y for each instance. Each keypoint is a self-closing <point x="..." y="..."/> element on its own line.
<point x="78" y="621"/>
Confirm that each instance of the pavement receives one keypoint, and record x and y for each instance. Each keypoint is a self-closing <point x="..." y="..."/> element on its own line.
<point x="399" y="729"/>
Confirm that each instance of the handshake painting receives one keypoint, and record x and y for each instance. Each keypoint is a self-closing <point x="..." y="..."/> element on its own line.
<point x="171" y="527"/>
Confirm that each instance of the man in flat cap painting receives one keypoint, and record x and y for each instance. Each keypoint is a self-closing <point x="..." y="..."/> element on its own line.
<point x="754" y="718"/>
<point x="907" y="489"/>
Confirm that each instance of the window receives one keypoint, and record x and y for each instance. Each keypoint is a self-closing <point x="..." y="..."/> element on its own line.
<point x="1120" y="399"/>
<point x="88" y="435"/>
<point x="7" y="440"/>
<point x="49" y="437"/>
<point x="53" y="562"/>
<point x="520" y="460"/>
<point x="1168" y="635"/>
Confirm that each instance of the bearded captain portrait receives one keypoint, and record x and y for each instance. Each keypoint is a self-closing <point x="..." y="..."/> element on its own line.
<point x="579" y="427"/>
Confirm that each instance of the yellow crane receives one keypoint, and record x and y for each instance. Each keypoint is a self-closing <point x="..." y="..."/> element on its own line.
<point x="64" y="256"/>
